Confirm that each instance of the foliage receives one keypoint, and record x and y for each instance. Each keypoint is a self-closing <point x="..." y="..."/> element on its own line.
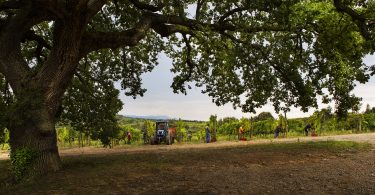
<point x="21" y="159"/>
<point x="369" y="121"/>
<point x="213" y="127"/>
<point x="150" y="128"/>
<point x="263" y="116"/>
<point x="264" y="127"/>
<point x="181" y="132"/>
<point x="201" y="134"/>
<point x="4" y="101"/>
<point x="246" y="124"/>
<point x="4" y="137"/>
<point x="107" y="134"/>
<point x="296" y="125"/>
<point x="137" y="134"/>
<point x="95" y="111"/>
<point x="230" y="128"/>
<point x="62" y="134"/>
<point x="369" y="110"/>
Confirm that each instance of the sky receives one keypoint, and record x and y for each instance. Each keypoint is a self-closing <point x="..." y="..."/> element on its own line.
<point x="159" y="100"/>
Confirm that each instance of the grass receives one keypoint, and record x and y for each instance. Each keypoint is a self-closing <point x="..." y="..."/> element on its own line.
<point x="94" y="170"/>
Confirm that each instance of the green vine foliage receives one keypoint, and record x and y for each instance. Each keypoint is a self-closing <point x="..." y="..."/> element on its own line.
<point x="21" y="159"/>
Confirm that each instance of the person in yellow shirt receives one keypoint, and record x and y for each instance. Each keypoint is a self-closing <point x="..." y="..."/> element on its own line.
<point x="240" y="133"/>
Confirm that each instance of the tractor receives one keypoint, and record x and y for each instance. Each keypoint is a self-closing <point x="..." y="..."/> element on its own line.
<point x="163" y="133"/>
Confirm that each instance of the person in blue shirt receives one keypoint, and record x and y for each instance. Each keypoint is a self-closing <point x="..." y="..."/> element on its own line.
<point x="208" y="135"/>
<point x="307" y="129"/>
<point x="277" y="131"/>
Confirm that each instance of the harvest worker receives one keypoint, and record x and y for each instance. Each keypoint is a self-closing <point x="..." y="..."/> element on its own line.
<point x="145" y="141"/>
<point x="129" y="137"/>
<point x="307" y="129"/>
<point x="277" y="131"/>
<point x="240" y="133"/>
<point x="145" y="137"/>
<point x="208" y="136"/>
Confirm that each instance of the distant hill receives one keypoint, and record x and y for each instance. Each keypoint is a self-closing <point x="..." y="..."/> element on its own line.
<point x="151" y="117"/>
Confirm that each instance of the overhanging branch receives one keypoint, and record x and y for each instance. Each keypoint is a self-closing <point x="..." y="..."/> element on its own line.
<point x="164" y="25"/>
<point x="93" y="41"/>
<point x="231" y="12"/>
<point x="362" y="22"/>
<point x="32" y="36"/>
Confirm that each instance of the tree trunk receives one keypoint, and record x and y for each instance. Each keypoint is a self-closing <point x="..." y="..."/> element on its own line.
<point x="33" y="143"/>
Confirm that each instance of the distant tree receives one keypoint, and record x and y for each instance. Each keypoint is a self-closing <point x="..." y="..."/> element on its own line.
<point x="263" y="116"/>
<point x="229" y="119"/>
<point x="62" y="134"/>
<point x="369" y="110"/>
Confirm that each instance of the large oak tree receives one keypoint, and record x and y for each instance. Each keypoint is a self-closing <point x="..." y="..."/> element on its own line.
<point x="246" y="52"/>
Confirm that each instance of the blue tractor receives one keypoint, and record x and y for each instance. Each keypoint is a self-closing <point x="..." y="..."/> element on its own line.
<point x="162" y="134"/>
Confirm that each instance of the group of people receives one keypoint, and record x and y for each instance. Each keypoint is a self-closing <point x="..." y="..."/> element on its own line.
<point x="308" y="127"/>
<point x="278" y="129"/>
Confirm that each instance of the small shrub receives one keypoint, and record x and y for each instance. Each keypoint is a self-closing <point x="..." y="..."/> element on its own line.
<point x="21" y="159"/>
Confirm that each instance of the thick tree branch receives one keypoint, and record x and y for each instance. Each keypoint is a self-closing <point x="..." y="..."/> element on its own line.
<point x="93" y="41"/>
<point x="178" y="83"/>
<point x="17" y="28"/>
<point x="165" y="25"/>
<point x="12" y="64"/>
<point x="165" y="30"/>
<point x="31" y="36"/>
<point x="196" y="25"/>
<point x="362" y="22"/>
<point x="57" y="71"/>
<point x="84" y="83"/>
<point x="198" y="10"/>
<point x="94" y="6"/>
<point x="41" y="43"/>
<point x="231" y="12"/>
<point x="189" y="60"/>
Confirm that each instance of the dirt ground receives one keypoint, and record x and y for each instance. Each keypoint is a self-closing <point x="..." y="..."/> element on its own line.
<point x="365" y="137"/>
<point x="215" y="168"/>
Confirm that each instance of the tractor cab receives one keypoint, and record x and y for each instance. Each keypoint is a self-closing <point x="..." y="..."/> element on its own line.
<point x="161" y="129"/>
<point x="161" y="133"/>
